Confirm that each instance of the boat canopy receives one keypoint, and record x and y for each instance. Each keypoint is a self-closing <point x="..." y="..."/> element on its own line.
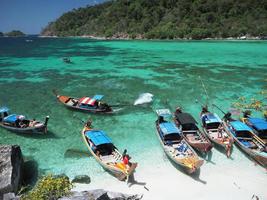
<point x="212" y="118"/>
<point x="163" y="112"/>
<point x="185" y="118"/>
<point x="98" y="137"/>
<point x="240" y="126"/>
<point x="168" y="128"/>
<point x="13" y="118"/>
<point x="4" y="109"/>
<point x="98" y="97"/>
<point x="87" y="101"/>
<point x="258" y="123"/>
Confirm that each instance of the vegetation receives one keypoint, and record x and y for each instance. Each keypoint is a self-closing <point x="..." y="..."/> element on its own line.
<point x="257" y="103"/>
<point x="15" y="33"/>
<point x="165" y="19"/>
<point x="1" y="34"/>
<point x="49" y="187"/>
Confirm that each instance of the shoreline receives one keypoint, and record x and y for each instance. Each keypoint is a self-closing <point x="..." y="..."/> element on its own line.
<point x="166" y="182"/>
<point x="242" y="38"/>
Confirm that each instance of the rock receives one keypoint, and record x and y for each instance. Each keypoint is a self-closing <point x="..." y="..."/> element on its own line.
<point x="79" y="196"/>
<point x="81" y="179"/>
<point x="100" y="194"/>
<point x="30" y="172"/>
<point x="10" y="168"/>
<point x="10" y="196"/>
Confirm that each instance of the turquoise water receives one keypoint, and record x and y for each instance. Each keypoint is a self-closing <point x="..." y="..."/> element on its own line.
<point x="121" y="70"/>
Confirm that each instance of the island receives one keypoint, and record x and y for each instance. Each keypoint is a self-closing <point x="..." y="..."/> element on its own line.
<point x="1" y="34"/>
<point x="164" y="19"/>
<point x="15" y="33"/>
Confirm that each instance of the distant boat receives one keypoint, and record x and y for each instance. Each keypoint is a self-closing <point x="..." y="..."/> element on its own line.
<point x="174" y="145"/>
<point x="216" y="131"/>
<point x="66" y="60"/>
<point x="188" y="126"/>
<point x="259" y="126"/>
<point x="106" y="154"/>
<point x="250" y="143"/>
<point x="86" y="104"/>
<point x="19" y="123"/>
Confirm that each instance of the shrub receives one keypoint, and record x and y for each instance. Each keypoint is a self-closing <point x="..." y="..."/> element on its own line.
<point x="49" y="188"/>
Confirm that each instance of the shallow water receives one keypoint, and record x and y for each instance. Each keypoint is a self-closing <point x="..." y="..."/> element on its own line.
<point x="121" y="70"/>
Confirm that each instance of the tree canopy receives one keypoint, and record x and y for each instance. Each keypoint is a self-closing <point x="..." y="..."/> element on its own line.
<point x="15" y="33"/>
<point x="165" y="19"/>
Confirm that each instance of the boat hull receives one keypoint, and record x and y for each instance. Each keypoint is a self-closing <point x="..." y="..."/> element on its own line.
<point x="179" y="162"/>
<point x="226" y="145"/>
<point x="259" y="157"/>
<point x="203" y="146"/>
<point x="29" y="130"/>
<point x="63" y="99"/>
<point x="118" y="173"/>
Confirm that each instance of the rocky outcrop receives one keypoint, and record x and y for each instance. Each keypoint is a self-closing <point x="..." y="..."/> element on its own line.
<point x="100" y="195"/>
<point x="11" y="162"/>
<point x="81" y="179"/>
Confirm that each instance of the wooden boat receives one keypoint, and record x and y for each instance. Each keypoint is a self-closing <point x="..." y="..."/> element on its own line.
<point x="188" y="126"/>
<point x="174" y="145"/>
<point x="66" y="60"/>
<point x="250" y="143"/>
<point x="106" y="154"/>
<point x="19" y="124"/>
<point x="86" y="104"/>
<point x="259" y="127"/>
<point x="216" y="131"/>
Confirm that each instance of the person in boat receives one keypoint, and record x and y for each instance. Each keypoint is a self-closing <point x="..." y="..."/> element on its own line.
<point x="102" y="105"/>
<point x="228" y="117"/>
<point x="126" y="158"/>
<point x="160" y="120"/>
<point x="89" y="123"/>
<point x="204" y="110"/>
<point x="220" y="130"/>
<point x="32" y="123"/>
<point x="203" y="113"/>
<point x="178" y="110"/>
<point x="246" y="113"/>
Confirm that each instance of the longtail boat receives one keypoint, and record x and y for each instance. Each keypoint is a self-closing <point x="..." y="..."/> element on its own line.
<point x="216" y="131"/>
<point x="188" y="126"/>
<point x="106" y="154"/>
<point x="259" y="126"/>
<point x="174" y="145"/>
<point x="20" y="124"/>
<point x="86" y="104"/>
<point x="248" y="141"/>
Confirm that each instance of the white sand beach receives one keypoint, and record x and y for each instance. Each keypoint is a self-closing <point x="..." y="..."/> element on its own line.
<point x="226" y="180"/>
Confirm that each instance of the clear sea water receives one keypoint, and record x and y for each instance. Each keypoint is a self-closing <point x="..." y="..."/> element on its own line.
<point x="121" y="70"/>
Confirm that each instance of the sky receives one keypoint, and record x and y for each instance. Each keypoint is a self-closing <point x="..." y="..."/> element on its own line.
<point x="30" y="16"/>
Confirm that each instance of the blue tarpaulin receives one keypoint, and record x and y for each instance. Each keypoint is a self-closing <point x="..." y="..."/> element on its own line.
<point x="240" y="126"/>
<point x="211" y="118"/>
<point x="98" y="97"/>
<point x="258" y="123"/>
<point x="169" y="128"/>
<point x="11" y="118"/>
<point x="98" y="137"/>
<point x="4" y="109"/>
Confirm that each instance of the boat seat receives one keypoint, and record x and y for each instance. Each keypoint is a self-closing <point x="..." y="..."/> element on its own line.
<point x="107" y="159"/>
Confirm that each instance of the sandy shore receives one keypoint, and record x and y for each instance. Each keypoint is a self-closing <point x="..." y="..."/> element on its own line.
<point x="212" y="182"/>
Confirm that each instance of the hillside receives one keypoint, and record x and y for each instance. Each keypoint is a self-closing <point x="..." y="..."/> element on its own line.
<point x="15" y="33"/>
<point x="165" y="19"/>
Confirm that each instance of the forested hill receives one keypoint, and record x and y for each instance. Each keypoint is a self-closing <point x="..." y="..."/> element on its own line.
<point x="165" y="19"/>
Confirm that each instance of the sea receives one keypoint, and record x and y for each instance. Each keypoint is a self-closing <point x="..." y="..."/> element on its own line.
<point x="188" y="74"/>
